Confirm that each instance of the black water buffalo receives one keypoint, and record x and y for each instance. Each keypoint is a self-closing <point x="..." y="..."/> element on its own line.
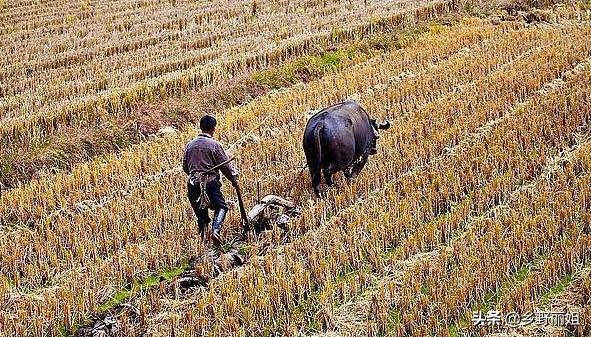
<point x="339" y="138"/>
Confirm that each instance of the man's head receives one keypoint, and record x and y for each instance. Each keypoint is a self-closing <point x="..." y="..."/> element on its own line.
<point x="207" y="124"/>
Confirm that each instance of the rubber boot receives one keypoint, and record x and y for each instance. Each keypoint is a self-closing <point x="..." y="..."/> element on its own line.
<point x="216" y="225"/>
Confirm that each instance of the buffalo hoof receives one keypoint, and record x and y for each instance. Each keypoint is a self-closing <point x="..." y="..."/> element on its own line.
<point x="317" y="192"/>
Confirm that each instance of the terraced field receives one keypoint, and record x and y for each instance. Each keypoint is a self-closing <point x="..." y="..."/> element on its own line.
<point x="479" y="197"/>
<point x="88" y="65"/>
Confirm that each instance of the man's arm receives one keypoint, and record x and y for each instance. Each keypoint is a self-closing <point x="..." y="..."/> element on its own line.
<point x="229" y="170"/>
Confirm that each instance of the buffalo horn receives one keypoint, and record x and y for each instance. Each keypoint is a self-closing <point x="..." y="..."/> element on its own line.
<point x="384" y="126"/>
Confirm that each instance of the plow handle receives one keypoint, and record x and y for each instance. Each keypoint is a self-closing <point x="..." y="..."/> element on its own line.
<point x="243" y="215"/>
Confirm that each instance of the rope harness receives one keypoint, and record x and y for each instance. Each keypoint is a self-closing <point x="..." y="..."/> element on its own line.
<point x="359" y="160"/>
<point x="204" y="201"/>
<point x="366" y="153"/>
<point x="201" y="179"/>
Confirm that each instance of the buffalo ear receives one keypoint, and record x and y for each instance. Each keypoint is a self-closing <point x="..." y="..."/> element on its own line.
<point x="384" y="126"/>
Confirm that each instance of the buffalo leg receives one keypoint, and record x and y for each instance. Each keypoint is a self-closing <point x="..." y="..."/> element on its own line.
<point x="315" y="175"/>
<point x="327" y="177"/>
<point x="348" y="173"/>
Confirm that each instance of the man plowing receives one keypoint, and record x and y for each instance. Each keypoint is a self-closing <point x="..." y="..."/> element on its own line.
<point x="203" y="160"/>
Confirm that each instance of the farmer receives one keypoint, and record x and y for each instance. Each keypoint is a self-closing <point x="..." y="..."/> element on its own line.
<point x="202" y="154"/>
